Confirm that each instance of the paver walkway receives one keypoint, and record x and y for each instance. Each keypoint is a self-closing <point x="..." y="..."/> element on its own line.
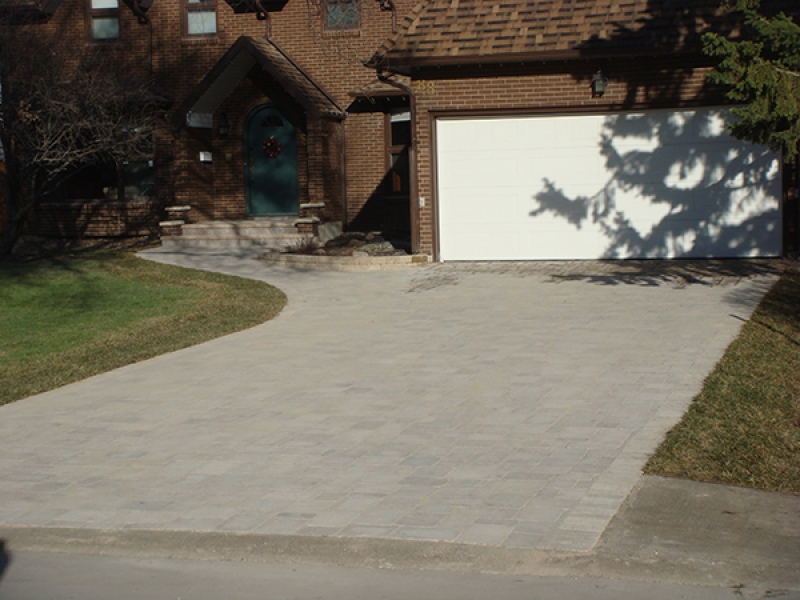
<point x="498" y="404"/>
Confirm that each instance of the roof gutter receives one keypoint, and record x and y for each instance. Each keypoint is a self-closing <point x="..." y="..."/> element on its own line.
<point x="404" y="63"/>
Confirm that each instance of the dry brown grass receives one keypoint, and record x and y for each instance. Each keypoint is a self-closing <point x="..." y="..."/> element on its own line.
<point x="744" y="427"/>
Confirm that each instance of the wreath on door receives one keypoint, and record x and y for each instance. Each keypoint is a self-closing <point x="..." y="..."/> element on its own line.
<point x="272" y="147"/>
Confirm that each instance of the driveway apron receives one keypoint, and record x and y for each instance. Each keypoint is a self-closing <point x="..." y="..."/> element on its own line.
<point x="495" y="405"/>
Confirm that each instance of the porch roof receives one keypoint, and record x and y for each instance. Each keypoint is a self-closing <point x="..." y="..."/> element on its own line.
<point x="235" y="65"/>
<point x="379" y="87"/>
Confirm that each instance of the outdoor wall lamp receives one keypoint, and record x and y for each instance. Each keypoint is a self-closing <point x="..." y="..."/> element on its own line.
<point x="599" y="84"/>
<point x="224" y="126"/>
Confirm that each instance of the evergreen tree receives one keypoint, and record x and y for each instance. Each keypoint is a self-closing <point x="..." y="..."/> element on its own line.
<point x="763" y="70"/>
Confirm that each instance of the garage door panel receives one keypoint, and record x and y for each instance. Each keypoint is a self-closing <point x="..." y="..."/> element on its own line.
<point x="566" y="169"/>
<point x="486" y="242"/>
<point x="468" y="168"/>
<point x="550" y="242"/>
<point x="649" y="184"/>
<point x="502" y="207"/>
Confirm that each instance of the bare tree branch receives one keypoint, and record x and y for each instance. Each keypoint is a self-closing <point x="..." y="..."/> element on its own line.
<point x="62" y="113"/>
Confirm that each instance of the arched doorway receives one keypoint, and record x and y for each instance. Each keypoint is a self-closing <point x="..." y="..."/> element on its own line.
<point x="270" y="148"/>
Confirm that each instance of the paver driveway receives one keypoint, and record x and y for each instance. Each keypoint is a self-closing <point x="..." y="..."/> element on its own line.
<point x="483" y="404"/>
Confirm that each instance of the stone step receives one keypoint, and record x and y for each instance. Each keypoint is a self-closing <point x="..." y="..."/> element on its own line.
<point x="244" y="232"/>
<point x="277" y="243"/>
<point x="345" y="263"/>
<point x="247" y="229"/>
<point x="267" y="233"/>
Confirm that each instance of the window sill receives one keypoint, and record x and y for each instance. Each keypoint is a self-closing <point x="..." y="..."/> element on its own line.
<point x="213" y="38"/>
<point x="93" y="42"/>
<point x="341" y="32"/>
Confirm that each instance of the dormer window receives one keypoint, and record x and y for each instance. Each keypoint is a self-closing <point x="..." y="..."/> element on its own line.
<point x="200" y="17"/>
<point x="342" y="15"/>
<point x="104" y="20"/>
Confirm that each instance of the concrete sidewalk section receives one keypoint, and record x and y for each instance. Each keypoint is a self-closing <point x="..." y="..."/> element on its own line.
<point x="503" y="406"/>
<point x="673" y="529"/>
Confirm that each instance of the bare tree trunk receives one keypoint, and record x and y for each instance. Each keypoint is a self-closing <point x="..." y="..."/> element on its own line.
<point x="17" y="209"/>
<point x="11" y="235"/>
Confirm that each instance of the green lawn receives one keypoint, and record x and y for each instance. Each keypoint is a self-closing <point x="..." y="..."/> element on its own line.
<point x="744" y="427"/>
<point x="66" y="319"/>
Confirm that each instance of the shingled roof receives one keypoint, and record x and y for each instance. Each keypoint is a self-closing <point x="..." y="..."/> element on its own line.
<point x="485" y="31"/>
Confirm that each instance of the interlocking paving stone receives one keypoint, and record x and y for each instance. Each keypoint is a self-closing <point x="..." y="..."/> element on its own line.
<point x="509" y="404"/>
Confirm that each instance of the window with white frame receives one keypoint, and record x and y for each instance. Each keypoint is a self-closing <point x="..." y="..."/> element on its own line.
<point x="103" y="20"/>
<point x="200" y="17"/>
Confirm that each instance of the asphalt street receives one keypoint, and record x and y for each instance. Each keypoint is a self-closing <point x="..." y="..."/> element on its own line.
<point x="45" y="576"/>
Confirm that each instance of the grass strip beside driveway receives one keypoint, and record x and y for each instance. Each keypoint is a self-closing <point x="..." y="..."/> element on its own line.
<point x="744" y="426"/>
<point x="66" y="319"/>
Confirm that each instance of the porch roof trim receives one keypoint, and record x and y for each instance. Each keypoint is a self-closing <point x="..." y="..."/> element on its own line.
<point x="197" y="109"/>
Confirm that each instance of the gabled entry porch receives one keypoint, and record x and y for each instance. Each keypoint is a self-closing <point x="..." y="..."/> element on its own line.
<point x="262" y="139"/>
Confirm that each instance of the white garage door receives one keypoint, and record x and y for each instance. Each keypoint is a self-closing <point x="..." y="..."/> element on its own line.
<point x="653" y="184"/>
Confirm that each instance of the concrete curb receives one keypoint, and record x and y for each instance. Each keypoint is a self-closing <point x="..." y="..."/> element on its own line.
<point x="377" y="553"/>
<point x="274" y="548"/>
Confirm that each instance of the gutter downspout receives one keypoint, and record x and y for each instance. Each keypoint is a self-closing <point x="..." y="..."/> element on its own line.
<point x="150" y="47"/>
<point x="412" y="159"/>
<point x="342" y="143"/>
<point x="390" y="5"/>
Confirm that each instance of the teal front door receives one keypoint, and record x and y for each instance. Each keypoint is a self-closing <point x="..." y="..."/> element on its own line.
<point x="270" y="142"/>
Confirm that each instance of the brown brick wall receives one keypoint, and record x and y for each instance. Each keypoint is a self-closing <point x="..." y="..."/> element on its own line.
<point x="651" y="84"/>
<point x="95" y="219"/>
<point x="365" y="159"/>
<point x="332" y="140"/>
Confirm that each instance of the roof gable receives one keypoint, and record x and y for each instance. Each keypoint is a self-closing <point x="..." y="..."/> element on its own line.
<point x="236" y="64"/>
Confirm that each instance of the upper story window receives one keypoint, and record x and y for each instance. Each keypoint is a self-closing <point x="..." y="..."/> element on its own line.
<point x="200" y="17"/>
<point x="342" y="15"/>
<point x="104" y="20"/>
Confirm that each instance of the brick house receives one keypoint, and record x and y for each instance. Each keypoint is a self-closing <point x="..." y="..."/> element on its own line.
<point x="479" y="129"/>
<point x="274" y="115"/>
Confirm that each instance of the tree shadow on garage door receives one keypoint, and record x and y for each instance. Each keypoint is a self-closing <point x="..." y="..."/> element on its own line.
<point x="673" y="185"/>
<point x="638" y="148"/>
